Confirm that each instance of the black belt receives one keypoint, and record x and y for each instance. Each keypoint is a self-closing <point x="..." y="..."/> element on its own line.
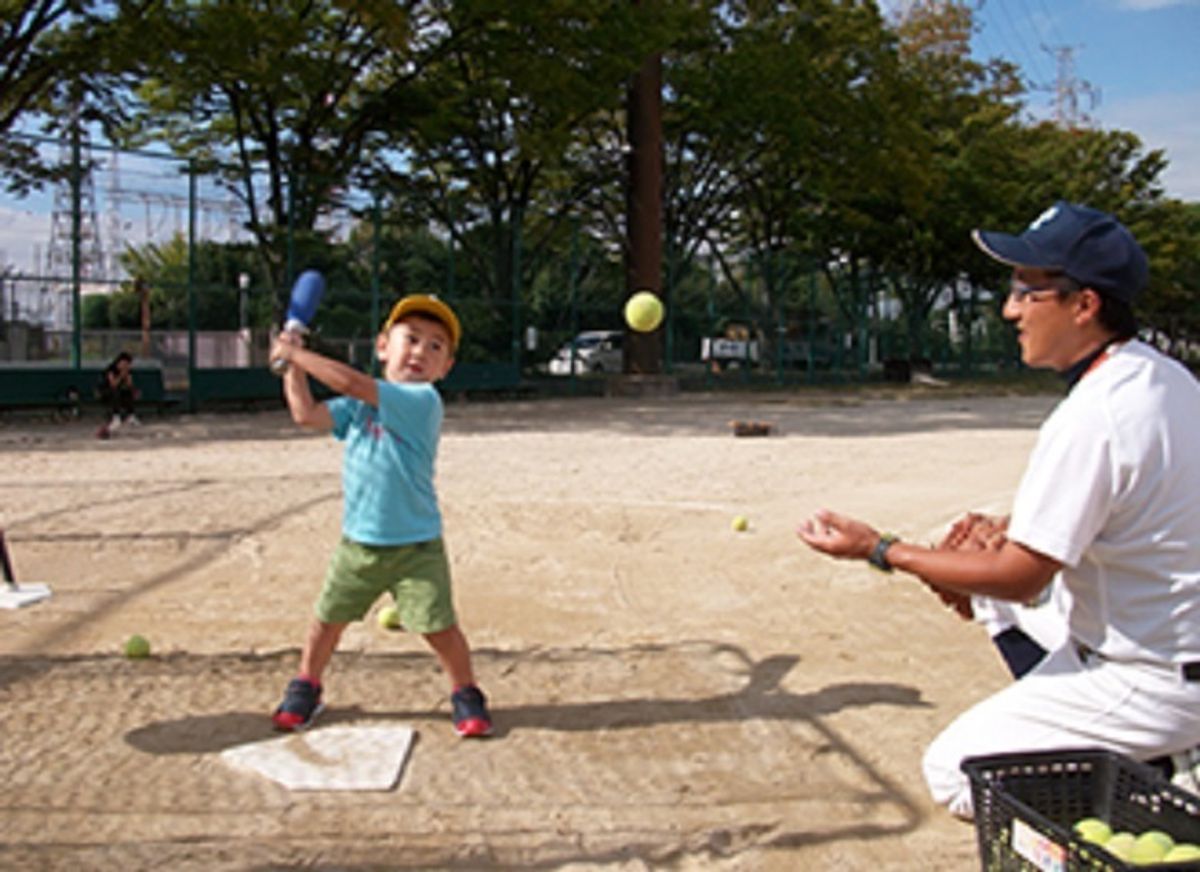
<point x="1189" y="671"/>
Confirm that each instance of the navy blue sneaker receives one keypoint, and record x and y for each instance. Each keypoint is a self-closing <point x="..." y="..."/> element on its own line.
<point x="301" y="704"/>
<point x="470" y="712"/>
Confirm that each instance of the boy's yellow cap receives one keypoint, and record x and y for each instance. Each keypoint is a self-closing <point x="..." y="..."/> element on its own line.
<point x="426" y="304"/>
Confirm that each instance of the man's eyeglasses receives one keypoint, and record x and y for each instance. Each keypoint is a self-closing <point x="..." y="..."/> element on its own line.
<point x="1019" y="292"/>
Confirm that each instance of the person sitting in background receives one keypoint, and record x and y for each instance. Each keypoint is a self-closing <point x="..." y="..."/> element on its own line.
<point x="118" y="394"/>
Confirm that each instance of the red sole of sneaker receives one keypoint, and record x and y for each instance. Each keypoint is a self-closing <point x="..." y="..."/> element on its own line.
<point x="283" y="721"/>
<point x="473" y="728"/>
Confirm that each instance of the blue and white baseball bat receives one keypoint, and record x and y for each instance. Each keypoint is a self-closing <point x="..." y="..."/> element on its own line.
<point x="307" y="291"/>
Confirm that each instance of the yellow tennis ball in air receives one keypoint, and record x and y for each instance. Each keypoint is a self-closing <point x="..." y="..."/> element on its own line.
<point x="137" y="647"/>
<point x="643" y="312"/>
<point x="389" y="618"/>
<point x="741" y="523"/>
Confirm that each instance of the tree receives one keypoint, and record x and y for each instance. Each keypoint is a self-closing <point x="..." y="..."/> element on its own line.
<point x="1169" y="230"/>
<point x="287" y="102"/>
<point x="524" y="96"/>
<point x="769" y="125"/>
<point x="164" y="269"/>
<point x="953" y="129"/>
<point x="1106" y="169"/>
<point x="47" y="70"/>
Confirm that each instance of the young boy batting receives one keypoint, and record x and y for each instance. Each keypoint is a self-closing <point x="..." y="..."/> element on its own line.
<point x="391" y="524"/>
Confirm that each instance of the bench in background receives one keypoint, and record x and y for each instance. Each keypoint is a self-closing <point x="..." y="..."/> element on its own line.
<point x="68" y="389"/>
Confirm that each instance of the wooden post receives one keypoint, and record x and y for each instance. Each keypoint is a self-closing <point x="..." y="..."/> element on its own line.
<point x="643" y="272"/>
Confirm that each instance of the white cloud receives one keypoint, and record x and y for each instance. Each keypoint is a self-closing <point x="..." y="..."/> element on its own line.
<point x="1169" y="122"/>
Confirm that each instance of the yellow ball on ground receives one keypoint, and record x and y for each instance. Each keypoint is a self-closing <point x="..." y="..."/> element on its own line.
<point x="389" y="618"/>
<point x="137" y="647"/>
<point x="741" y="523"/>
<point x="643" y="312"/>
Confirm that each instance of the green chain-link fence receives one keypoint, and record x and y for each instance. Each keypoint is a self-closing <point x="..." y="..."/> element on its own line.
<point x="141" y="252"/>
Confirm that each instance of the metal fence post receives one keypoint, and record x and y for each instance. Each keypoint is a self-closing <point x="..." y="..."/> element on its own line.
<point x="516" y="286"/>
<point x="76" y="245"/>
<point x="376" y="260"/>
<point x="191" y="286"/>
<point x="574" y="287"/>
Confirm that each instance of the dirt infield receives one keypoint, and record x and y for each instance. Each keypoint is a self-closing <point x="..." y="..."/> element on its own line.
<point x="669" y="692"/>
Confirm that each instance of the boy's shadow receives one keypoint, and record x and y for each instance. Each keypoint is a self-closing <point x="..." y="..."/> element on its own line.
<point x="761" y="698"/>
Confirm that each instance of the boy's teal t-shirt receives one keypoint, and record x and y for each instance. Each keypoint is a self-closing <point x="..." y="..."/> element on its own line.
<point x="387" y="468"/>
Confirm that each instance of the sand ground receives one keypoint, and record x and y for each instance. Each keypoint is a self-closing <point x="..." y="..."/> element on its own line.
<point x="669" y="693"/>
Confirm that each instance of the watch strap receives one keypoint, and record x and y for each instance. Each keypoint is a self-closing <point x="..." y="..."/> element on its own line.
<point x="878" y="555"/>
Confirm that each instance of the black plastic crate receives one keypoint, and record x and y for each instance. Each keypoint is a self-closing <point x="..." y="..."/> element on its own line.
<point x="1026" y="805"/>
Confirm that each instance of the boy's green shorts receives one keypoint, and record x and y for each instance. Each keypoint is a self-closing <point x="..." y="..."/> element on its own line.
<point x="417" y="576"/>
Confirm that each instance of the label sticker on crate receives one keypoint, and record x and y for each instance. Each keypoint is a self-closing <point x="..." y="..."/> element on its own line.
<point x="1040" y="850"/>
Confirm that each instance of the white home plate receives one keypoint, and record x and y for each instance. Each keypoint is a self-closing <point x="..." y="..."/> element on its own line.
<point x="22" y="595"/>
<point x="350" y="757"/>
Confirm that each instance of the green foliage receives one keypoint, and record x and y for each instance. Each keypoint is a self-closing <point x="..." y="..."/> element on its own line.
<point x="515" y="139"/>
<point x="950" y="125"/>
<point x="95" y="312"/>
<point x="1170" y="232"/>
<point x="166" y="272"/>
<point x="816" y="160"/>
<point x="286" y="102"/>
<point x="48" y="52"/>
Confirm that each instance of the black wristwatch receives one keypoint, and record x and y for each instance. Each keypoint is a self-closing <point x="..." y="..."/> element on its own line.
<point x="878" y="555"/>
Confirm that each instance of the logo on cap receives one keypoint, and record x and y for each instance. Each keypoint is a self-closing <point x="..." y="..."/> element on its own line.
<point x="1045" y="218"/>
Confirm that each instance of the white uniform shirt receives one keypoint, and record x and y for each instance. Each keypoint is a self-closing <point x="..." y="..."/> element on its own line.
<point x="1112" y="491"/>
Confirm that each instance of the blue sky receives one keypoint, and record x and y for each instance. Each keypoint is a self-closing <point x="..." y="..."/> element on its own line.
<point x="1139" y="58"/>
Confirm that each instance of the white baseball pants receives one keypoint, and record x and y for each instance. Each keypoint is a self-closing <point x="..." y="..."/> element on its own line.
<point x="1069" y="700"/>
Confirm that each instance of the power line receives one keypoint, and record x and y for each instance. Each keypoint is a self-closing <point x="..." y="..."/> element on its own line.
<point x="1005" y="48"/>
<point x="1032" y="18"/>
<point x="1049" y="18"/>
<point x="1024" y="57"/>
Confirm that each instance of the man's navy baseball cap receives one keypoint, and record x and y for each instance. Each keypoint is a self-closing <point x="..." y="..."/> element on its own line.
<point x="1089" y="246"/>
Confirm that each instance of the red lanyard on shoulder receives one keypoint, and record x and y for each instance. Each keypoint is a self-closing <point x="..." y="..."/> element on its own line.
<point x="1082" y="367"/>
<point x="1100" y="358"/>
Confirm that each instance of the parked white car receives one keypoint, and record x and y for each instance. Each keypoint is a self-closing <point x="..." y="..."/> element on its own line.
<point x="595" y="351"/>
<point x="728" y="353"/>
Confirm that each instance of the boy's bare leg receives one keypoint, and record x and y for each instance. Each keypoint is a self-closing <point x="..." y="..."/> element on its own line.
<point x="319" y="646"/>
<point x="302" y="700"/>
<point x="470" y="713"/>
<point x="450" y="646"/>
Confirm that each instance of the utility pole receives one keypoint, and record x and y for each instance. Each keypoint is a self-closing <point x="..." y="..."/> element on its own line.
<point x="643" y="209"/>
